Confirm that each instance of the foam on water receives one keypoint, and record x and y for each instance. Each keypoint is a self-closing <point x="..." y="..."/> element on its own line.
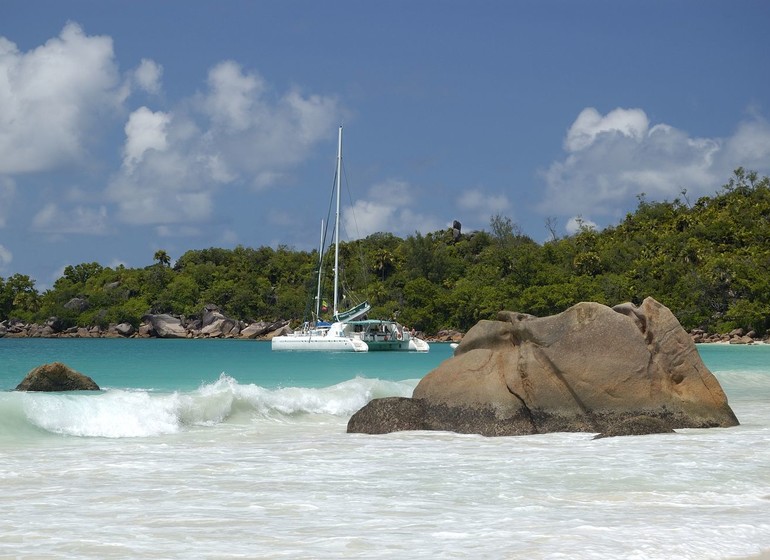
<point x="118" y="413"/>
<point x="313" y="491"/>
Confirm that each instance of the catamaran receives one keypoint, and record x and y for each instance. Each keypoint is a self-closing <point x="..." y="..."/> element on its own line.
<point x="350" y="330"/>
<point x="321" y="335"/>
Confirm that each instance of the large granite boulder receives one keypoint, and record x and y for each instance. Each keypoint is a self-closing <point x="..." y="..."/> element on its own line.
<point x="125" y="329"/>
<point x="279" y="328"/>
<point x="211" y="314"/>
<point x="256" y="329"/>
<point x="592" y="368"/>
<point x="78" y="304"/>
<point x="56" y="377"/>
<point x="221" y="327"/>
<point x="166" y="326"/>
<point x="215" y="324"/>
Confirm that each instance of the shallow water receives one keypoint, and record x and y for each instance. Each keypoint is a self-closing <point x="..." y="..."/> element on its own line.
<point x="221" y="449"/>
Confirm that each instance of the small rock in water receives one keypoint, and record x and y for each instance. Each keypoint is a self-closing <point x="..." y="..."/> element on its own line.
<point x="56" y="377"/>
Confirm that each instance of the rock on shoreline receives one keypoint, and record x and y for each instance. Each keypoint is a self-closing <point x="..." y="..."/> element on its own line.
<point x="736" y="336"/>
<point x="614" y="371"/>
<point x="216" y="325"/>
<point x="213" y="325"/>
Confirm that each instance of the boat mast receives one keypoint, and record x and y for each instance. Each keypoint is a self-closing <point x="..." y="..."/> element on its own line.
<point x="337" y="224"/>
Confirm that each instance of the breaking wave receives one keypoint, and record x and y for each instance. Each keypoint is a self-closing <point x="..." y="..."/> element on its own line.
<point x="120" y="413"/>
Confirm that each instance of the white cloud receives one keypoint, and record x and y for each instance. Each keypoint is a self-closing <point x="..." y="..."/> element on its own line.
<point x="576" y="223"/>
<point x="232" y="133"/>
<point x="233" y="96"/>
<point x="632" y="123"/>
<point x="57" y="98"/>
<point x="52" y="98"/>
<point x="147" y="76"/>
<point x="145" y="130"/>
<point x="78" y="219"/>
<point x="611" y="159"/>
<point x="749" y="147"/>
<point x="477" y="207"/>
<point x="177" y="231"/>
<point x="387" y="208"/>
<point x="5" y="257"/>
<point x="161" y="200"/>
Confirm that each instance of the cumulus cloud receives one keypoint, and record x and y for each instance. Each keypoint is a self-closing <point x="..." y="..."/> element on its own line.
<point x="611" y="159"/>
<point x="52" y="97"/>
<point x="234" y="132"/>
<point x="57" y="99"/>
<point x="387" y="207"/>
<point x="233" y="96"/>
<point x="145" y="130"/>
<point x="749" y="147"/>
<point x="147" y="76"/>
<point x="632" y="123"/>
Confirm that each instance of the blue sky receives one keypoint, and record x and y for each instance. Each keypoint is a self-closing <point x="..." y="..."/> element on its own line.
<point x="128" y="127"/>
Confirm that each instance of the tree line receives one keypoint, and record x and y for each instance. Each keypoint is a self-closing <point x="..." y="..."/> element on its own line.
<point x="707" y="260"/>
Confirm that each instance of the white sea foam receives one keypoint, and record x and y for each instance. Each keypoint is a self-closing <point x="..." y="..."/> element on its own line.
<point x="312" y="491"/>
<point x="110" y="414"/>
<point x="117" y="413"/>
<point x="342" y="399"/>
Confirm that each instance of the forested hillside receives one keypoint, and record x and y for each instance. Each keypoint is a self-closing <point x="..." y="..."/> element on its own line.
<point x="707" y="260"/>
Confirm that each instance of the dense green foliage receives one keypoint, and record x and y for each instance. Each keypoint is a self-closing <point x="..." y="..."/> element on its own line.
<point x="707" y="261"/>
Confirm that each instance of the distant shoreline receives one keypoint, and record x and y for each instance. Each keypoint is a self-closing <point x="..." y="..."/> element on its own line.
<point x="34" y="330"/>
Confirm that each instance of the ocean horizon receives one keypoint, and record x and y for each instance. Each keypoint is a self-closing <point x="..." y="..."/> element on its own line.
<point x="224" y="449"/>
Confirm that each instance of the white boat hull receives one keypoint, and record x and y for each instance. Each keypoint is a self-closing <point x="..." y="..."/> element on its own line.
<point x="333" y="339"/>
<point x="316" y="343"/>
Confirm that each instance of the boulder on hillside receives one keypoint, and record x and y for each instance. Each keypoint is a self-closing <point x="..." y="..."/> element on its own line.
<point x="56" y="377"/>
<point x="166" y="326"/>
<point x="592" y="368"/>
<point x="78" y="304"/>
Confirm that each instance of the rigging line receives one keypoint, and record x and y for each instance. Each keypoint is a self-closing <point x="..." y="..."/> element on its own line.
<point x="346" y="289"/>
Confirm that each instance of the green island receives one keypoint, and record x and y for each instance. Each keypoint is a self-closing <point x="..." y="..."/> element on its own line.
<point x="707" y="260"/>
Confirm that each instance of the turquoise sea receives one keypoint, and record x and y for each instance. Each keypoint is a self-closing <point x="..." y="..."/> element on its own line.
<point x="223" y="449"/>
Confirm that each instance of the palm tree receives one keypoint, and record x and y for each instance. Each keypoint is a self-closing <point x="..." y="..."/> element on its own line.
<point x="162" y="257"/>
<point x="383" y="262"/>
